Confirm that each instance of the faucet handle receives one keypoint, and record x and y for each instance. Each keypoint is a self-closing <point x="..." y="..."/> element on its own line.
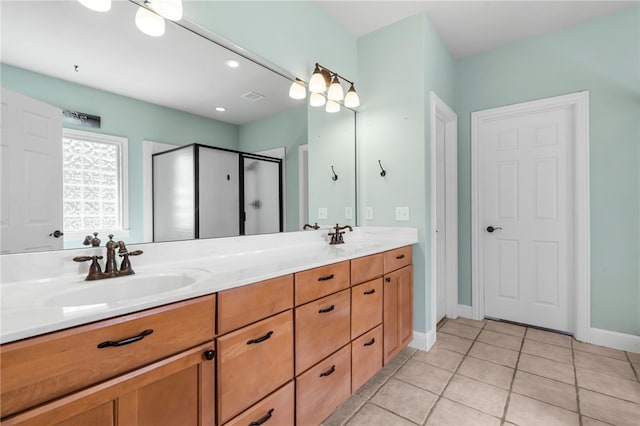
<point x="135" y="253"/>
<point x="86" y="258"/>
<point x="95" y="272"/>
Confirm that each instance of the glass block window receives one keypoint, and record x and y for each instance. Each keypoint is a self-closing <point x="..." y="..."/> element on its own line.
<point x="94" y="186"/>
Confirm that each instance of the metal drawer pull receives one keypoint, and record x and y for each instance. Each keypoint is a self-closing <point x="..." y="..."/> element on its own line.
<point x="328" y="372"/>
<point x="263" y="420"/>
<point x="209" y="355"/>
<point x="260" y="339"/>
<point x="370" y="342"/>
<point x="325" y="310"/>
<point x="373" y="290"/>
<point x="400" y="257"/>
<point x="327" y="278"/>
<point x="125" y="341"/>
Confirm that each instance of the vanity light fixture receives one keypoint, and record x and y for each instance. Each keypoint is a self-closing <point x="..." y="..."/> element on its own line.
<point x="317" y="100"/>
<point x="332" y="106"/>
<point x="97" y="5"/>
<point x="335" y="92"/>
<point x="149" y="22"/>
<point x="321" y="80"/>
<point x="297" y="90"/>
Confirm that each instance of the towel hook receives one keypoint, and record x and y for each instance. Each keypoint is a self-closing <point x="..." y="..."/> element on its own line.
<point x="335" y="176"/>
<point x="383" y="173"/>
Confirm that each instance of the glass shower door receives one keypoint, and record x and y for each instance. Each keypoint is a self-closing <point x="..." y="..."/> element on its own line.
<point x="262" y="195"/>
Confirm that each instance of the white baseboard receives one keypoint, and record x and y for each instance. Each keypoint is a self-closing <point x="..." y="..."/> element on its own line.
<point x="421" y="341"/>
<point x="465" y="311"/>
<point x="613" y="339"/>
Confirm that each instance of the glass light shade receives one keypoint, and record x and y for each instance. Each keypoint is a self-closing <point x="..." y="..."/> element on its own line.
<point x="170" y="9"/>
<point x="317" y="83"/>
<point x="149" y="23"/>
<point x="297" y="90"/>
<point x="335" y="92"/>
<point x="351" y="100"/>
<point x="316" y="100"/>
<point x="332" y="106"/>
<point x="97" y="5"/>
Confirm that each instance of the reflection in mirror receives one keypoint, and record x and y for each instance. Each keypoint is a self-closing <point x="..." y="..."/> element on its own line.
<point x="155" y="93"/>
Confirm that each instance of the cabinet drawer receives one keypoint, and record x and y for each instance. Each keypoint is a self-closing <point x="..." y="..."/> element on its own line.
<point x="323" y="388"/>
<point x="366" y="307"/>
<point x="45" y="367"/>
<point x="366" y="357"/>
<point x="318" y="282"/>
<point x="244" y="305"/>
<point x="253" y="362"/>
<point x="276" y="410"/>
<point x="321" y="328"/>
<point x="366" y="268"/>
<point x="396" y="259"/>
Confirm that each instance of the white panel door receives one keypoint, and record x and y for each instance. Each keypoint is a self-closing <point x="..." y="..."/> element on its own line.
<point x="526" y="194"/>
<point x="441" y="221"/>
<point x="31" y="174"/>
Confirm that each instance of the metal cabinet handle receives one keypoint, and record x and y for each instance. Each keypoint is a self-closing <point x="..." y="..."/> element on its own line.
<point x="328" y="372"/>
<point x="327" y="278"/>
<point x="366" y="293"/>
<point x="370" y="342"/>
<point x="260" y="339"/>
<point x="263" y="419"/>
<point x="400" y="257"/>
<point x="126" y="341"/>
<point x="325" y="310"/>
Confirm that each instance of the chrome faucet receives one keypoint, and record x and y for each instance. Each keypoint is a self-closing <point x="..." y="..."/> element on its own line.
<point x="337" y="234"/>
<point x="110" y="268"/>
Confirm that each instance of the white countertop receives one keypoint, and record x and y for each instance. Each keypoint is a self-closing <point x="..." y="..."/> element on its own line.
<point x="41" y="303"/>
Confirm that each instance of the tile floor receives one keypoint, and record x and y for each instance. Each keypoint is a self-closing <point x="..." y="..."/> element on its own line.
<point x="493" y="373"/>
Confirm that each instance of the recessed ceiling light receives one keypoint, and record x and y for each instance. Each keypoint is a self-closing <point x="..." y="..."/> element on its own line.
<point x="221" y="109"/>
<point x="232" y="63"/>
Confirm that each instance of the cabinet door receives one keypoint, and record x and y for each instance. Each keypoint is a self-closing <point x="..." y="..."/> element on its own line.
<point x="398" y="311"/>
<point x="176" y="390"/>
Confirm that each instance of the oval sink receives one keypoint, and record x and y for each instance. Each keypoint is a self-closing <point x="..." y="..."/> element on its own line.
<point x="122" y="289"/>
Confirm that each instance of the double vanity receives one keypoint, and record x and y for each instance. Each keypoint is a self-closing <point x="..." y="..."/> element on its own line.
<point x="270" y="329"/>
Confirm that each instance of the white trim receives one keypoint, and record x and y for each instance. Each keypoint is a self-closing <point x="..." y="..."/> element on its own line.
<point x="422" y="340"/>
<point x="613" y="339"/>
<point x="582" y="261"/>
<point x="302" y="188"/>
<point x="439" y="109"/>
<point x="465" y="311"/>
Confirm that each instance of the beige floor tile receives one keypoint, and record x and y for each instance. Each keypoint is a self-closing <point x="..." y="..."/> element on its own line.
<point x="604" y="364"/>
<point x="588" y="421"/>
<point x="545" y="350"/>
<point x="636" y="366"/>
<point x="608" y="409"/>
<point x="425" y="376"/>
<point x="407" y="353"/>
<point x="405" y="400"/>
<point x="549" y="337"/>
<point x="547" y="368"/>
<point x="469" y="322"/>
<point x="487" y="372"/>
<point x="450" y="413"/>
<point x="371" y="415"/>
<point x="367" y="390"/>
<point x="546" y="390"/>
<point x="506" y="328"/>
<point x="525" y="411"/>
<point x="499" y="339"/>
<point x="599" y="350"/>
<point x="453" y="343"/>
<point x="634" y="357"/>
<point x="494" y="354"/>
<point x="460" y="330"/>
<point x="608" y="384"/>
<point x="481" y="396"/>
<point x="439" y="357"/>
<point x="393" y="366"/>
<point x="345" y="411"/>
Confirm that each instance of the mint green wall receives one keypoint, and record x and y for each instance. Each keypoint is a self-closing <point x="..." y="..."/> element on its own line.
<point x="603" y="57"/>
<point x="126" y="117"/>
<point x="287" y="129"/>
<point x="398" y="66"/>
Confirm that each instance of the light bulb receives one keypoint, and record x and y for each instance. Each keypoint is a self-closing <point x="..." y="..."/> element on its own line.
<point x="317" y="84"/>
<point x="351" y="100"/>
<point x="170" y="9"/>
<point x="316" y="100"/>
<point x="97" y="5"/>
<point x="332" y="106"/>
<point x="149" y="23"/>
<point x="297" y="90"/>
<point x="335" y="92"/>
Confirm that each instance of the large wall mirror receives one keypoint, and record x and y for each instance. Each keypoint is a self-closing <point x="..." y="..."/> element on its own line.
<point x="155" y="94"/>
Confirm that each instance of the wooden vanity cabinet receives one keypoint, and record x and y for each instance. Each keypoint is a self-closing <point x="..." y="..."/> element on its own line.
<point x="178" y="390"/>
<point x="398" y="311"/>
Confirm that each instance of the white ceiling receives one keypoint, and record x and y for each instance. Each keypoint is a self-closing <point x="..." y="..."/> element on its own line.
<point x="471" y="27"/>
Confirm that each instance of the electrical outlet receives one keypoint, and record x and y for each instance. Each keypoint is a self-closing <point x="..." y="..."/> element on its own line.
<point x="322" y="213"/>
<point x="348" y="213"/>
<point x="402" y="214"/>
<point x="368" y="211"/>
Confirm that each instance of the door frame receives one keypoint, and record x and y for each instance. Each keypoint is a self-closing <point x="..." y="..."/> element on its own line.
<point x="581" y="259"/>
<point x="439" y="109"/>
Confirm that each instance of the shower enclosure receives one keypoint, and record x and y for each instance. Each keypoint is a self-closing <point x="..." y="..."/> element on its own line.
<point x="203" y="192"/>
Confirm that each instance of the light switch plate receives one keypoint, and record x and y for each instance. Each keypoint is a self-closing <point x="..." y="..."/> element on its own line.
<point x="348" y="213"/>
<point x="402" y="214"/>
<point x="368" y="212"/>
<point x="322" y="213"/>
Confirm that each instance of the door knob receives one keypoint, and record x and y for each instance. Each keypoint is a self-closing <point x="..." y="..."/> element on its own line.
<point x="56" y="234"/>
<point x="492" y="228"/>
